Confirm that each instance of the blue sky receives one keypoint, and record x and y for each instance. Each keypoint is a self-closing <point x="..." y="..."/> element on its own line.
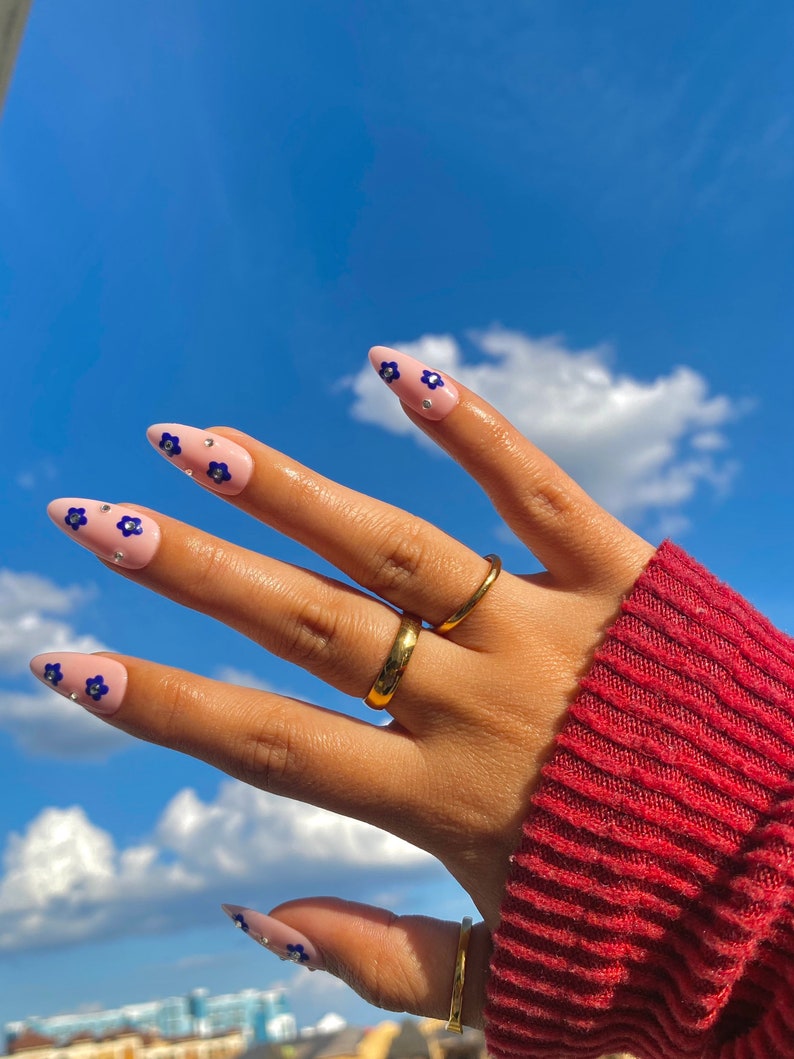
<point x="208" y="213"/>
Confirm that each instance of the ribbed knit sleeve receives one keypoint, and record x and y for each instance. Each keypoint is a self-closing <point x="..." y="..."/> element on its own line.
<point x="649" y="906"/>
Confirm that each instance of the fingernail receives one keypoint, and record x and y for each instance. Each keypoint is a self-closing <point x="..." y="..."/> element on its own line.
<point x="96" y="683"/>
<point x="208" y="459"/>
<point x="116" y="533"/>
<point x="277" y="937"/>
<point x="424" y="389"/>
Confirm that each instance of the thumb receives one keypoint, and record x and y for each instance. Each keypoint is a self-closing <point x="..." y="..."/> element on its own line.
<point x="400" y="963"/>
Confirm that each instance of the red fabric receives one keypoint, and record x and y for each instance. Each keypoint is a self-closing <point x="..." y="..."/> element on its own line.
<point x="649" y="905"/>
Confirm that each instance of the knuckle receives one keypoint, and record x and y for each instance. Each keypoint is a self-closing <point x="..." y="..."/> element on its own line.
<point x="400" y="557"/>
<point x="271" y="756"/>
<point x="310" y="636"/>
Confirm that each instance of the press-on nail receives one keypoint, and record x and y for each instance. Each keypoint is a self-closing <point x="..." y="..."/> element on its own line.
<point x="277" y="937"/>
<point x="114" y="532"/>
<point x="212" y="461"/>
<point x="423" y="389"/>
<point x="90" y="680"/>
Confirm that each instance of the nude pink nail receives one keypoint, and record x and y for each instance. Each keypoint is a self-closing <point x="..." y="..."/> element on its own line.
<point x="423" y="389"/>
<point x="90" y="680"/>
<point x="277" y="937"/>
<point x="114" y="532"/>
<point x="212" y="461"/>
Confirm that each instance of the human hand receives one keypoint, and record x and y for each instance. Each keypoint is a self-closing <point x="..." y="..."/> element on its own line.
<point x="477" y="710"/>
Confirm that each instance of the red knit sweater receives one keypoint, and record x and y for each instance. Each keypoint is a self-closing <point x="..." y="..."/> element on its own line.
<point x="649" y="905"/>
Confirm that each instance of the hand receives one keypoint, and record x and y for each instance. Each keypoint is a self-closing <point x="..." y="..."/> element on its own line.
<point x="477" y="710"/>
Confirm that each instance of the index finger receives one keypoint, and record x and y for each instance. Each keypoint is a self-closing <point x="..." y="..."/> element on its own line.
<point x="572" y="536"/>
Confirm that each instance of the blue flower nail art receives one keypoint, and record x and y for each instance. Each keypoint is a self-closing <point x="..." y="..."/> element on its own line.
<point x="169" y="443"/>
<point x="240" y="923"/>
<point x="218" y="472"/>
<point x="297" y="954"/>
<point x="75" y="518"/>
<point x="432" y="379"/>
<point x="95" y="687"/>
<point x="389" y="371"/>
<point x="53" y="674"/>
<point x="130" y="526"/>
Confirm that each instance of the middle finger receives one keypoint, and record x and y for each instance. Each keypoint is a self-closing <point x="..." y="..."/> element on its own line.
<point x="399" y="557"/>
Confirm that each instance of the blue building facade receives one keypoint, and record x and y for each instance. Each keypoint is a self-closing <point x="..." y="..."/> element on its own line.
<point x="263" y="1016"/>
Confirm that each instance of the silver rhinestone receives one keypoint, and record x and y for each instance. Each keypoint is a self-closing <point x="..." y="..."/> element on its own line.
<point x="209" y="442"/>
<point x="94" y="688"/>
<point x="427" y="403"/>
<point x="168" y="445"/>
<point x="105" y="507"/>
<point x="188" y="472"/>
<point x="50" y="675"/>
<point x="129" y="525"/>
<point x="118" y="556"/>
<point x="74" y="518"/>
<point x="387" y="373"/>
<point x="217" y="474"/>
<point x="74" y="696"/>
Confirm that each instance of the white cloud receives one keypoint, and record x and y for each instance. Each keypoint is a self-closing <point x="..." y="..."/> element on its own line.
<point x="65" y="881"/>
<point x="641" y="448"/>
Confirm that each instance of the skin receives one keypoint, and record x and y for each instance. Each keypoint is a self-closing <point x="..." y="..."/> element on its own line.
<point x="491" y="694"/>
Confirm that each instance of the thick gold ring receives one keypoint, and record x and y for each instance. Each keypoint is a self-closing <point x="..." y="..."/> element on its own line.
<point x="381" y="692"/>
<point x="471" y="603"/>
<point x="456" y="1006"/>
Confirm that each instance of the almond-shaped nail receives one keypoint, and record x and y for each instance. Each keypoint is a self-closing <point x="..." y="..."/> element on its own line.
<point x="276" y="937"/>
<point x="422" y="388"/>
<point x="94" y="682"/>
<point x="114" y="532"/>
<point x="212" y="461"/>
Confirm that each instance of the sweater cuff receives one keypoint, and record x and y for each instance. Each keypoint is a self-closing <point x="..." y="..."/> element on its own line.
<point x="648" y="907"/>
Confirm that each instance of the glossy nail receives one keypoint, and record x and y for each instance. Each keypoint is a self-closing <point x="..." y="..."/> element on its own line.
<point x="94" y="682"/>
<point x="277" y="937"/>
<point x="212" y="461"/>
<point x="423" y="389"/>
<point x="114" y="532"/>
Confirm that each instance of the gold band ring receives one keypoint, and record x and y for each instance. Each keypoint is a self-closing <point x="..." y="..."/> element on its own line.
<point x="381" y="692"/>
<point x="471" y="603"/>
<point x="456" y="1006"/>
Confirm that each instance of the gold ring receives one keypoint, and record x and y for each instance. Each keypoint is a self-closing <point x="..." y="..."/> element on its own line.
<point x="471" y="603"/>
<point x="381" y="692"/>
<point x="456" y="1006"/>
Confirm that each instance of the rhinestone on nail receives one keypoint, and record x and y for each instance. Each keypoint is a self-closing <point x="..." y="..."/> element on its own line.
<point x="118" y="556"/>
<point x="188" y="472"/>
<point x="74" y="696"/>
<point x="427" y="404"/>
<point x="209" y="442"/>
<point x="104" y="507"/>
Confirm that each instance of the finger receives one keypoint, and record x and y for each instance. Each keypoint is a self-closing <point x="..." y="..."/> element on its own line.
<point x="397" y="556"/>
<point x="400" y="963"/>
<point x="574" y="538"/>
<point x="273" y="742"/>
<point x="332" y="630"/>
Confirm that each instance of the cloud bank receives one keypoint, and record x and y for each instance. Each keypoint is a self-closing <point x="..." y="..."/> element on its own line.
<point x="66" y="882"/>
<point x="641" y="448"/>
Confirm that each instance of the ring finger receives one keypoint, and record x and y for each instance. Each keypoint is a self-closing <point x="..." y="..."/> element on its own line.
<point x="332" y="630"/>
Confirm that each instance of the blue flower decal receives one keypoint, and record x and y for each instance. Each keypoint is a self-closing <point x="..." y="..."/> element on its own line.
<point x="169" y="443"/>
<point x="389" y="371"/>
<point x="53" y="674"/>
<point x="240" y="923"/>
<point x="432" y="379"/>
<point x="95" y="687"/>
<point x="297" y="954"/>
<point x="75" y="518"/>
<point x="218" y="472"/>
<point x="129" y="526"/>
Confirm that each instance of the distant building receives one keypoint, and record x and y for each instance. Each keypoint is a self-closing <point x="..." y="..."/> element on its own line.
<point x="260" y="1016"/>
<point x="128" y="1043"/>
